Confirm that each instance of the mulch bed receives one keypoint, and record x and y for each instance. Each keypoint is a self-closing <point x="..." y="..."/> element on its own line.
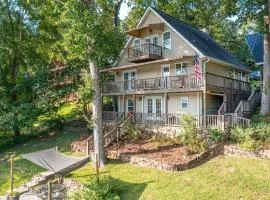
<point x="174" y="154"/>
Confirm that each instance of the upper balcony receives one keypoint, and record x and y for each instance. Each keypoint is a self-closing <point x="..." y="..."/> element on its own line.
<point x="144" y="53"/>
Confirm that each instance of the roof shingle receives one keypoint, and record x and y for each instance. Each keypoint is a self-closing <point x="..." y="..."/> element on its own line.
<point x="201" y="40"/>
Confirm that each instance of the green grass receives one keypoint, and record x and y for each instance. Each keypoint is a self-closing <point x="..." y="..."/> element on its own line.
<point x="220" y="178"/>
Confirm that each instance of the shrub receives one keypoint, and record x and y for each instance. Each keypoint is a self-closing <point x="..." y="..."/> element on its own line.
<point x="190" y="138"/>
<point x="6" y="139"/>
<point x="215" y="134"/>
<point x="132" y="131"/>
<point x="96" y="191"/>
<point x="252" y="138"/>
<point x="160" y="140"/>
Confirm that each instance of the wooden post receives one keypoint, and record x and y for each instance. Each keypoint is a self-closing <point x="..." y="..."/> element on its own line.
<point x="49" y="190"/>
<point x="97" y="168"/>
<point x="11" y="173"/>
<point x="165" y="107"/>
<point x="87" y="147"/>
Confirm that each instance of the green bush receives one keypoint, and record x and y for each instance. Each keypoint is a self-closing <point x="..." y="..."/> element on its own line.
<point x="190" y="138"/>
<point x="215" y="134"/>
<point x="96" y="191"/>
<point x="252" y="138"/>
<point x="6" y="139"/>
<point x="160" y="140"/>
<point x="132" y="131"/>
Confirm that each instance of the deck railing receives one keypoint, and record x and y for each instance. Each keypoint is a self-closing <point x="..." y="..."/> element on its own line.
<point x="212" y="121"/>
<point x="246" y="107"/>
<point x="144" y="52"/>
<point x="213" y="80"/>
<point x="159" y="83"/>
<point x="188" y="81"/>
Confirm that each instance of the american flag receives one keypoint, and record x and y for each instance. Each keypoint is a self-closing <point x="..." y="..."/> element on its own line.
<point x="197" y="68"/>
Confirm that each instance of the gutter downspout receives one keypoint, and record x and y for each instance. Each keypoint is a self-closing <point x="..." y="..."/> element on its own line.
<point x="204" y="94"/>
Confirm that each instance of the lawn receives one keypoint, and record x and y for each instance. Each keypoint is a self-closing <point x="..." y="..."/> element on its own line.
<point x="221" y="178"/>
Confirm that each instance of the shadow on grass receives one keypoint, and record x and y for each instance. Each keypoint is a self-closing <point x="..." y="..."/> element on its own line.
<point x="127" y="190"/>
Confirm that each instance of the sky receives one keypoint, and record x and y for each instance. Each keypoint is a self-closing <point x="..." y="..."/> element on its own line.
<point x="124" y="10"/>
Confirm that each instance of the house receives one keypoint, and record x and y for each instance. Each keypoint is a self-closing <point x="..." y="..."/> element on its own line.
<point x="155" y="78"/>
<point x="255" y="44"/>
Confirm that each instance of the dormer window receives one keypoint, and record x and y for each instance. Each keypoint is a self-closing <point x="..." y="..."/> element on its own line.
<point x="155" y="40"/>
<point x="152" y="40"/>
<point x="167" y="40"/>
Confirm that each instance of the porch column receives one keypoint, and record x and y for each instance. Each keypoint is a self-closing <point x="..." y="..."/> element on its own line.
<point x="124" y="104"/>
<point x="204" y="109"/>
<point x="113" y="103"/>
<point x="165" y="107"/>
<point x="134" y="116"/>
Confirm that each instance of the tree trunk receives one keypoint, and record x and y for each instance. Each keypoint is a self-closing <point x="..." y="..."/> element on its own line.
<point x="265" y="105"/>
<point x="117" y="6"/>
<point x="97" y="114"/>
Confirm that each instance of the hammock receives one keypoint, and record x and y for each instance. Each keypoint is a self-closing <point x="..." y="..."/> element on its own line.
<point x="55" y="161"/>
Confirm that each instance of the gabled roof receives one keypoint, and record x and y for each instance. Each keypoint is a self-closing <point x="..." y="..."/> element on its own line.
<point x="255" y="44"/>
<point x="201" y="40"/>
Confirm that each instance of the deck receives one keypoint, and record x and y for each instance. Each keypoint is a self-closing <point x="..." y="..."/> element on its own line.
<point x="222" y="122"/>
<point x="180" y="83"/>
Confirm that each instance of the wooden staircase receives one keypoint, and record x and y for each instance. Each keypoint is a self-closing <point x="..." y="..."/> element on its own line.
<point x="245" y="108"/>
<point x="112" y="132"/>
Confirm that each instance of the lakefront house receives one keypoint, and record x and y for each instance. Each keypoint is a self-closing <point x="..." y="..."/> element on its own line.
<point x="169" y="68"/>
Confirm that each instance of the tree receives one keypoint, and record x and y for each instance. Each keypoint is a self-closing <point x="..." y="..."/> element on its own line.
<point x="265" y="104"/>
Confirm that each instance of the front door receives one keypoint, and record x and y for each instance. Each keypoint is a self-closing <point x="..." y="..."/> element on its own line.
<point x="130" y="105"/>
<point x="153" y="108"/>
<point x="129" y="78"/>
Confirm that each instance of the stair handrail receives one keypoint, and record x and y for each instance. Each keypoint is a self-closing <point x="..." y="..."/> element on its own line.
<point x="251" y="101"/>
<point x="221" y="108"/>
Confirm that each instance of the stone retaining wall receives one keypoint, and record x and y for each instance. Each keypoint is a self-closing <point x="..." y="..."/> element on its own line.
<point x="143" y="161"/>
<point x="232" y="149"/>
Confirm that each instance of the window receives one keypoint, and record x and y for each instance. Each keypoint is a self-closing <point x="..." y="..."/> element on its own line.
<point x="239" y="75"/>
<point x="184" y="102"/>
<point x="167" y="40"/>
<point x="181" y="68"/>
<point x="165" y="70"/>
<point x="155" y="40"/>
<point x="130" y="105"/>
<point x="158" y="106"/>
<point x="137" y="42"/>
<point x="148" y="40"/>
<point x="149" y="106"/>
<point x="231" y="73"/>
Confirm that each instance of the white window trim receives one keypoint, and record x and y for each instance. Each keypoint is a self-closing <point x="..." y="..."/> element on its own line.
<point x="241" y="76"/>
<point x="129" y="71"/>
<point x="151" y="37"/>
<point x="135" y="40"/>
<point x="163" y="66"/>
<point x="181" y="66"/>
<point x="133" y="103"/>
<point x="181" y="101"/>
<point x="228" y="72"/>
<point x="170" y="39"/>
